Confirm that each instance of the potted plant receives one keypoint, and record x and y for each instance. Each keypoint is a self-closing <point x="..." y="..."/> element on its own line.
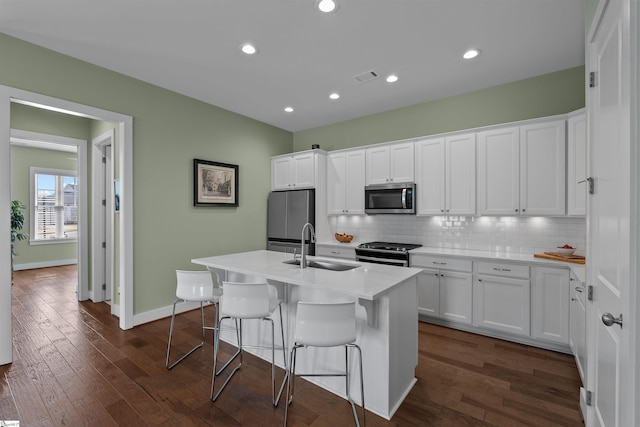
<point x="17" y="223"/>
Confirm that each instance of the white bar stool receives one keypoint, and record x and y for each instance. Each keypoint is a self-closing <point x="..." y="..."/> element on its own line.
<point x="325" y="325"/>
<point x="242" y="301"/>
<point x="195" y="286"/>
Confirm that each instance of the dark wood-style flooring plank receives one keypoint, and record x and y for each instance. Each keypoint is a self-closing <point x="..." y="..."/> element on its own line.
<point x="73" y="365"/>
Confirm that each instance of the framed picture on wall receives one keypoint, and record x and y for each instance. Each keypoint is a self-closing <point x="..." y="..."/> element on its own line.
<point x="214" y="183"/>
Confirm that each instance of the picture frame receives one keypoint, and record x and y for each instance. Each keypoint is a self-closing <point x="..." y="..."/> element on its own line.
<point x="215" y="183"/>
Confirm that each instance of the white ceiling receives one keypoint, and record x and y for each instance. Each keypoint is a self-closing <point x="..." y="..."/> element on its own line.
<point x="192" y="47"/>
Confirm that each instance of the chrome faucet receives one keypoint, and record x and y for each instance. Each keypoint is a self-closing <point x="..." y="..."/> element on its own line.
<point x="303" y="256"/>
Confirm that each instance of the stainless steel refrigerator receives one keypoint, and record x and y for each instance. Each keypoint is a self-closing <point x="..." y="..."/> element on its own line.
<point x="288" y="212"/>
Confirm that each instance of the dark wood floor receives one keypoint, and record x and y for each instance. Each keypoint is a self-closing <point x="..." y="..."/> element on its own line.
<point x="73" y="366"/>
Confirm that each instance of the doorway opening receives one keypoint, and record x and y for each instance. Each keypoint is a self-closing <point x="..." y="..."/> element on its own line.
<point x="124" y="247"/>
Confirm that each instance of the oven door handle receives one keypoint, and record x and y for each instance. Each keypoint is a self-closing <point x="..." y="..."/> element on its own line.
<point x="385" y="260"/>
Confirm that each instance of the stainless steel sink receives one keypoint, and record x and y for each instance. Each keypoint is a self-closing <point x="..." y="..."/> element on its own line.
<point x="324" y="264"/>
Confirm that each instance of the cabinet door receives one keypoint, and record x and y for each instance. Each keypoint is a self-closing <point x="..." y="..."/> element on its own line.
<point x="577" y="165"/>
<point x="577" y="324"/>
<point x="336" y="183"/>
<point x="430" y="176"/>
<point x="401" y="162"/>
<point x="499" y="171"/>
<point x="281" y="177"/>
<point x="456" y="291"/>
<point x="354" y="182"/>
<point x="542" y="168"/>
<point x="550" y="304"/>
<point x="502" y="304"/>
<point x="304" y="170"/>
<point x="429" y="292"/>
<point x="377" y="165"/>
<point x="461" y="175"/>
<point x="581" y="336"/>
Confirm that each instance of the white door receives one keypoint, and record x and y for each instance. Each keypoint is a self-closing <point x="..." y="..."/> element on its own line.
<point x="610" y="266"/>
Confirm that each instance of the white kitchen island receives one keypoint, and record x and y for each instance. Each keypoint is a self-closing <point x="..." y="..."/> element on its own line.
<point x="387" y="320"/>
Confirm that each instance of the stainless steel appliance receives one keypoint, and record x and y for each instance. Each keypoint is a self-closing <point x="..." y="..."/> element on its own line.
<point x="385" y="253"/>
<point x="390" y="198"/>
<point x="287" y="213"/>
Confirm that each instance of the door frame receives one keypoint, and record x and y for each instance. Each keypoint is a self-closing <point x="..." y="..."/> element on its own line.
<point x="102" y="268"/>
<point x="9" y="95"/>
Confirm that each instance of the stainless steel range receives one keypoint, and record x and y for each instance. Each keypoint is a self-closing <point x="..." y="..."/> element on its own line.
<point x="385" y="253"/>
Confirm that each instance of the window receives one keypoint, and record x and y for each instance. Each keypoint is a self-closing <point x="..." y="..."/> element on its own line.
<point x="54" y="205"/>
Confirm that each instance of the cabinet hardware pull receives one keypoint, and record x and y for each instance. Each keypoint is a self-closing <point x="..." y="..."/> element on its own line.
<point x="501" y="269"/>
<point x="573" y="299"/>
<point x="578" y="289"/>
<point x="439" y="263"/>
<point x="516" y="210"/>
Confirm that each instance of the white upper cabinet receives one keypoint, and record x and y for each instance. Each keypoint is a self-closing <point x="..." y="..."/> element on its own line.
<point x="390" y="163"/>
<point x="521" y="170"/>
<point x="445" y="175"/>
<point x="577" y="165"/>
<point x="346" y="177"/>
<point x="542" y="168"/>
<point x="499" y="171"/>
<point x="293" y="171"/>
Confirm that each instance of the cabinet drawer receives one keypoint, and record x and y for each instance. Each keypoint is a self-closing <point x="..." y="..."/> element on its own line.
<point x="442" y="263"/>
<point x="500" y="269"/>
<point x="335" y="252"/>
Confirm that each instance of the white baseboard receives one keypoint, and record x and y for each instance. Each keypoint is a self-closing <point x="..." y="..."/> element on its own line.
<point x="161" y="313"/>
<point x="43" y="264"/>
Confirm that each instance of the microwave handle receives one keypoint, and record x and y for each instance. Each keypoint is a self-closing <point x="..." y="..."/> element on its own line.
<point x="404" y="198"/>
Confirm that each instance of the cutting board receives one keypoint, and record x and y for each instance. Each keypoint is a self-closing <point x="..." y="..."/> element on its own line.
<point x="576" y="259"/>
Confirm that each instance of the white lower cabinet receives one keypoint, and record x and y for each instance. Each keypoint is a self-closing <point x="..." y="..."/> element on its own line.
<point x="525" y="303"/>
<point x="550" y="299"/>
<point x="445" y="292"/>
<point x="501" y="296"/>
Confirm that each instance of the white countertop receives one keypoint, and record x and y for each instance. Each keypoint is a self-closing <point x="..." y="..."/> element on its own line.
<point x="367" y="281"/>
<point x="578" y="269"/>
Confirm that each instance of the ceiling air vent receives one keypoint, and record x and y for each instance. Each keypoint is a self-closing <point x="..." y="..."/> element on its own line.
<point x="366" y="77"/>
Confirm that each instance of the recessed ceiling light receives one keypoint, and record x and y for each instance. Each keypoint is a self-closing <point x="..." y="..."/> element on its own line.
<point x="248" y="48"/>
<point x="327" y="6"/>
<point x="471" y="53"/>
<point x="288" y="109"/>
<point x="392" y="78"/>
<point x="334" y="95"/>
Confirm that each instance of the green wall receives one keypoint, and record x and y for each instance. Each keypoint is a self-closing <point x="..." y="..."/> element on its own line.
<point x="546" y="95"/>
<point x="22" y="158"/>
<point x="169" y="131"/>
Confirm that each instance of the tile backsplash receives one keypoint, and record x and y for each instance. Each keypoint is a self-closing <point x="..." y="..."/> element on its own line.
<point x="503" y="234"/>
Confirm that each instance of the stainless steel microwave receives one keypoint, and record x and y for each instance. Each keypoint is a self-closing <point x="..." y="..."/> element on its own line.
<point x="390" y="198"/>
